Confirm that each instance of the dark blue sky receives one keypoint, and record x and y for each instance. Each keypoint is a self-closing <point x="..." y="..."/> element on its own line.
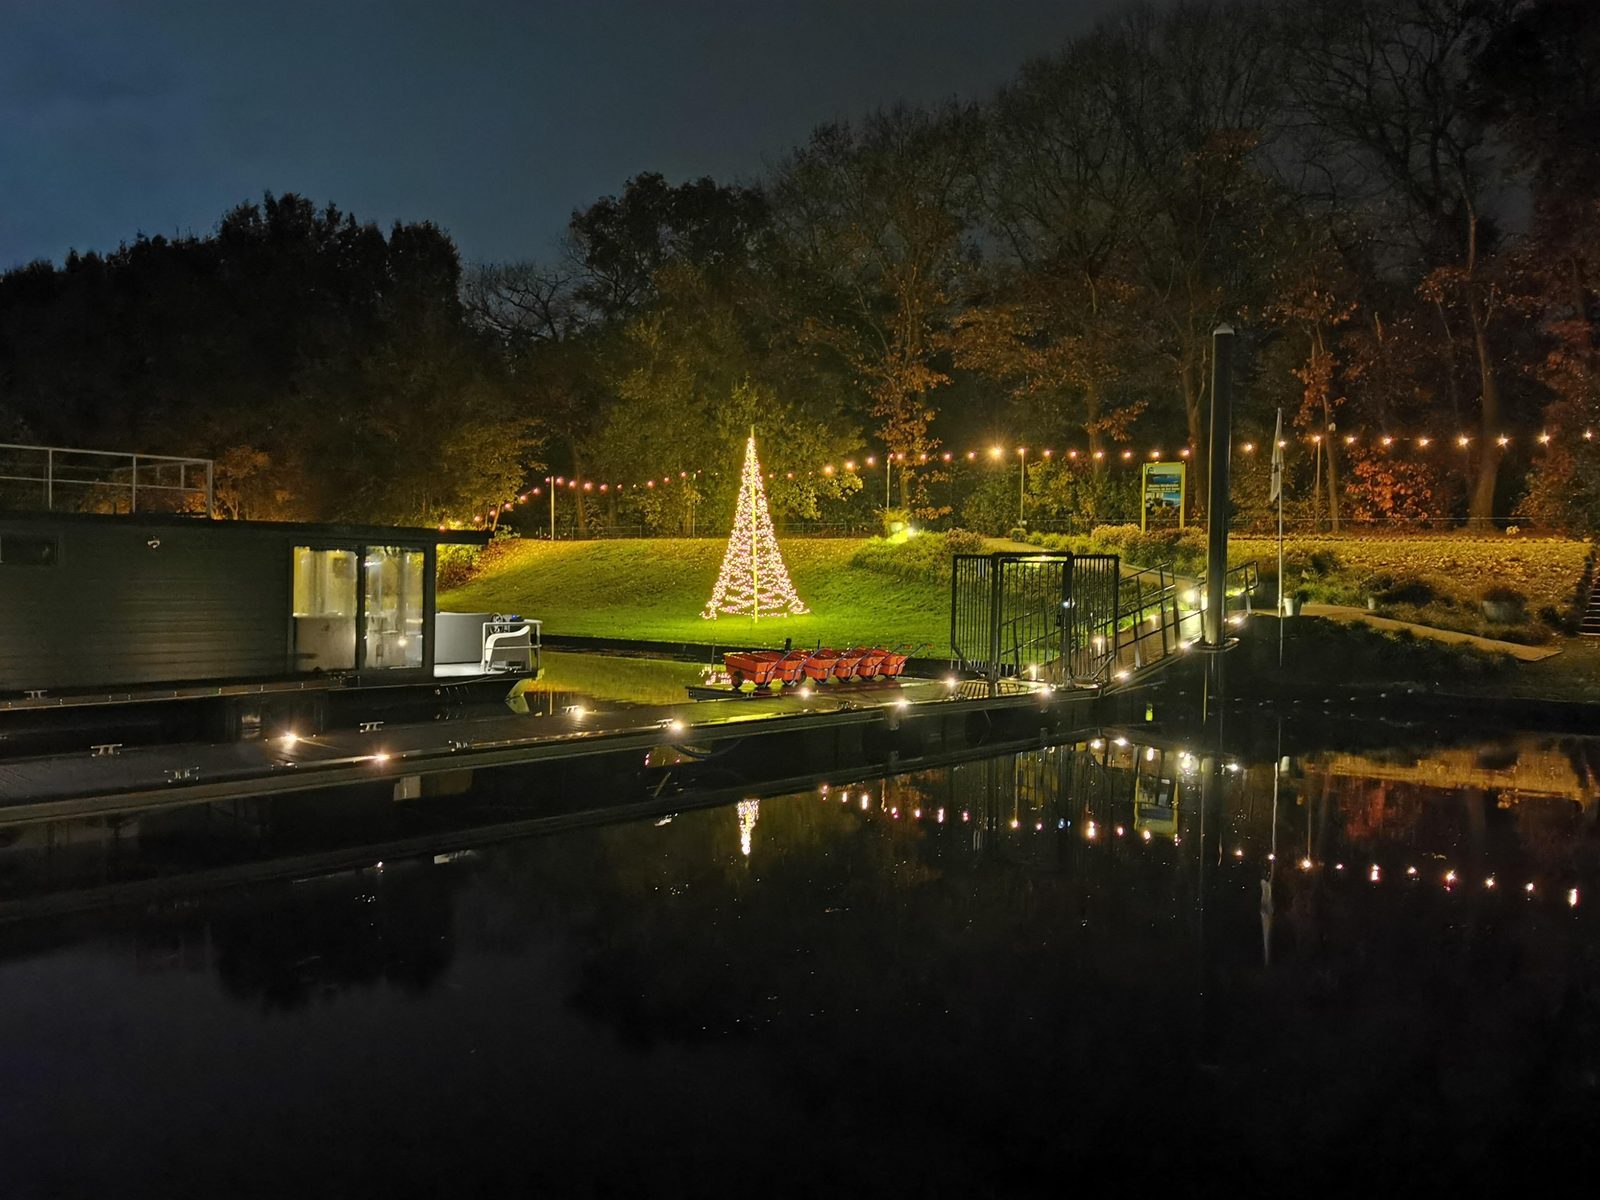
<point x="494" y="119"/>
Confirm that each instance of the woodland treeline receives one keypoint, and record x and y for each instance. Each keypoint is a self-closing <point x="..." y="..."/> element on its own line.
<point x="1396" y="203"/>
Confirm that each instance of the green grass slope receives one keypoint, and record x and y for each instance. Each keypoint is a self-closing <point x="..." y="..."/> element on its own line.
<point x="654" y="589"/>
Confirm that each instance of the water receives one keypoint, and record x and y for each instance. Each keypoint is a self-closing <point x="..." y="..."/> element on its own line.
<point x="1007" y="976"/>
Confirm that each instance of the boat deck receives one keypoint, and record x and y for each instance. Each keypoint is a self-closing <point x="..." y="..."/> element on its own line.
<point x="132" y="778"/>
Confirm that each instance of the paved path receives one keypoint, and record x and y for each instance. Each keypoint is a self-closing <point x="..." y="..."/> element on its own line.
<point x="1349" y="613"/>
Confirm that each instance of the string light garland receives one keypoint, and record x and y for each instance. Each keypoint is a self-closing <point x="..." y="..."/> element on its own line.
<point x="753" y="577"/>
<point x="998" y="454"/>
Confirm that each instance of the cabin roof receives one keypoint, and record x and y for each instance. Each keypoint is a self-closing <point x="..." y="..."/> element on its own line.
<point x="329" y="532"/>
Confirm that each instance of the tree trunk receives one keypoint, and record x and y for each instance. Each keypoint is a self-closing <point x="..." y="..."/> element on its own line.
<point x="1333" y="487"/>
<point x="577" y="494"/>
<point x="1481" y="509"/>
<point x="1330" y="436"/>
<point x="1091" y="424"/>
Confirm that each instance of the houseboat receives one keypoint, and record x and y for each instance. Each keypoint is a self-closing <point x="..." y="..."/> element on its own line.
<point x="121" y="621"/>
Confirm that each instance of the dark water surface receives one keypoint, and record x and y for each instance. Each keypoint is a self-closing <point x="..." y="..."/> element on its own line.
<point x="1336" y="970"/>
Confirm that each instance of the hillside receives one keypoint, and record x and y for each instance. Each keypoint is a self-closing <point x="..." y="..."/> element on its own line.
<point x="654" y="589"/>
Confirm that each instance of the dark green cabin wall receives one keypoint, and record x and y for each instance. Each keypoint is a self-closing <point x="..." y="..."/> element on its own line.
<point x="204" y="604"/>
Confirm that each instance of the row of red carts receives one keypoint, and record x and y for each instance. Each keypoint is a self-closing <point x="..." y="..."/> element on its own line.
<point x="778" y="668"/>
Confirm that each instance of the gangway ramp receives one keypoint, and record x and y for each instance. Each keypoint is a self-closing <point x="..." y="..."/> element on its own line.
<point x="1075" y="620"/>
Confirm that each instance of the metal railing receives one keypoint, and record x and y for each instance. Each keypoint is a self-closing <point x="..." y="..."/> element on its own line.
<point x="1074" y="619"/>
<point x="1164" y="614"/>
<point x="63" y="478"/>
<point x="1033" y="616"/>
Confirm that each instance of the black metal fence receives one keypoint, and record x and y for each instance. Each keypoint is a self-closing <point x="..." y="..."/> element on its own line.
<point x="1074" y="619"/>
<point x="1049" y="617"/>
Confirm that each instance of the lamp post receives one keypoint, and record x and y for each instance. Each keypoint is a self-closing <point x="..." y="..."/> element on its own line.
<point x="550" y="482"/>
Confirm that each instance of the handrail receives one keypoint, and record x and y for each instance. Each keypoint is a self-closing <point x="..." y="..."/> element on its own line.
<point x="68" y="474"/>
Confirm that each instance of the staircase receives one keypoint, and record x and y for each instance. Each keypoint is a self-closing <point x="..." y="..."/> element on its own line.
<point x="1590" y="625"/>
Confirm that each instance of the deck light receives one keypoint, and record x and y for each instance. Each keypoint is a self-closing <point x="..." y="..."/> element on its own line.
<point x="1305" y="864"/>
<point x="290" y="740"/>
<point x="1572" y="897"/>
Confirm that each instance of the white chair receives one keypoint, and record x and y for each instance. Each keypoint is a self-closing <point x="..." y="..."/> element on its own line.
<point x="512" y="639"/>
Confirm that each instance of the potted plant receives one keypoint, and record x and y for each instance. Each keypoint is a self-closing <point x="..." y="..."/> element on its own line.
<point x="1503" y="605"/>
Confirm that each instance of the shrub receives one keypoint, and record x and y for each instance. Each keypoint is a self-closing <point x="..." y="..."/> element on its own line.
<point x="964" y="541"/>
<point x="925" y="557"/>
<point x="1501" y="594"/>
<point x="458" y="565"/>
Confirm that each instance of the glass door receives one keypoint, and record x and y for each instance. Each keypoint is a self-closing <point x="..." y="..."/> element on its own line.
<point x="324" y="609"/>
<point x="392" y="579"/>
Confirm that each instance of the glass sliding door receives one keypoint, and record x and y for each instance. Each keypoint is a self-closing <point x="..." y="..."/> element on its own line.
<point x="324" y="609"/>
<point x="393" y="578"/>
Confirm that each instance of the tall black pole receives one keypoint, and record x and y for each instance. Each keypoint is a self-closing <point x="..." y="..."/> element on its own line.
<point x="1217" y="503"/>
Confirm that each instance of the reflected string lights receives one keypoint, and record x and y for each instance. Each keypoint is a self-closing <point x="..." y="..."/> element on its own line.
<point x="1156" y="826"/>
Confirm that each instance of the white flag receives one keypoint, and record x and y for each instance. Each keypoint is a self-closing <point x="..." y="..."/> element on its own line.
<point x="1277" y="459"/>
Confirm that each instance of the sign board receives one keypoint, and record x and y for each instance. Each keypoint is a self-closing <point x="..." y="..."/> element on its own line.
<point x="1162" y="492"/>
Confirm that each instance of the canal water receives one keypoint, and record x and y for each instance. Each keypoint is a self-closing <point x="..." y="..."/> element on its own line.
<point x="1299" y="960"/>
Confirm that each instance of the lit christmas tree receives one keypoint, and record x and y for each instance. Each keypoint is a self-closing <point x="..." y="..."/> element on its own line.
<point x="753" y="580"/>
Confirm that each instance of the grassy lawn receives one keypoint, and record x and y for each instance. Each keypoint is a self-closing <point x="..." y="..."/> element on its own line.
<point x="1429" y="578"/>
<point x="654" y="589"/>
<point x="1545" y="570"/>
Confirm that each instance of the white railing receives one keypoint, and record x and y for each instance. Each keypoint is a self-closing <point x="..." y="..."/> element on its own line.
<point x="64" y="478"/>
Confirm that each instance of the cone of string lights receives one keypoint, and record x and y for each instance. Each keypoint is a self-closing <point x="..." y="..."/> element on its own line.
<point x="753" y="581"/>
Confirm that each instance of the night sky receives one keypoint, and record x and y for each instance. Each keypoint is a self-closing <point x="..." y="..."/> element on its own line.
<point x="491" y="117"/>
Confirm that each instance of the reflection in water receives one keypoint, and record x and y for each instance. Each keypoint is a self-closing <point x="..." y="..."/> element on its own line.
<point x="944" y="981"/>
<point x="749" y="814"/>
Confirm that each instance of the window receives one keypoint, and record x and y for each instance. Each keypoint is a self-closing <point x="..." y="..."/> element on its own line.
<point x="27" y="550"/>
<point x="324" y="609"/>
